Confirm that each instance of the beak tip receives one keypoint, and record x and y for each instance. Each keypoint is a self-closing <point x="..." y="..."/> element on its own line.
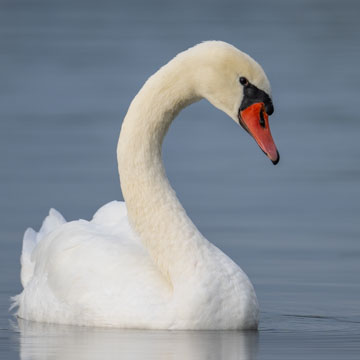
<point x="276" y="161"/>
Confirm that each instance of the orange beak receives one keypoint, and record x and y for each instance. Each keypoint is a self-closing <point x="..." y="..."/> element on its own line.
<point x="255" y="121"/>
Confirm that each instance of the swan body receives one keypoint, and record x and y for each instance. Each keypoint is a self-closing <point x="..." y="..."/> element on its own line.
<point x="145" y="264"/>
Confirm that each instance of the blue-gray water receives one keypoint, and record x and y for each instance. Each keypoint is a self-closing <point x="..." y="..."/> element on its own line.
<point x="69" y="69"/>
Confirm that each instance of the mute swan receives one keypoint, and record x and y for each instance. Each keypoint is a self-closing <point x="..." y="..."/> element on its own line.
<point x="146" y="265"/>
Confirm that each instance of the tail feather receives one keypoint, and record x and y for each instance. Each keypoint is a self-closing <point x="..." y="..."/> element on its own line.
<point x="27" y="266"/>
<point x="31" y="238"/>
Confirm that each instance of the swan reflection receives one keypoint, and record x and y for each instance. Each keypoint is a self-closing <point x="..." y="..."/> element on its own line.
<point x="45" y="341"/>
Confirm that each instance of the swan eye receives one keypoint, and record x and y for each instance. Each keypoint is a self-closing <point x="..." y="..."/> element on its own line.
<point x="244" y="81"/>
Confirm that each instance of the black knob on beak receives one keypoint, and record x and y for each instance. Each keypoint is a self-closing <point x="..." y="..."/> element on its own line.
<point x="269" y="108"/>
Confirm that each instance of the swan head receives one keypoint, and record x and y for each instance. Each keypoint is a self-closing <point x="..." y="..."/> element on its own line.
<point x="236" y="84"/>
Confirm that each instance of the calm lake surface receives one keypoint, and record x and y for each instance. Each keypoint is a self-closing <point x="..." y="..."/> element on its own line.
<point x="69" y="70"/>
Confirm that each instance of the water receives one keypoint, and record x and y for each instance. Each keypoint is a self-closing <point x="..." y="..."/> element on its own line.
<point x="69" y="71"/>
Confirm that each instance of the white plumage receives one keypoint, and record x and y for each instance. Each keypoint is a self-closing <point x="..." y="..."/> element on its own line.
<point x="159" y="272"/>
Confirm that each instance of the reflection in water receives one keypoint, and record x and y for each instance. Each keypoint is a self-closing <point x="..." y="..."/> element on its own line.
<point x="44" y="341"/>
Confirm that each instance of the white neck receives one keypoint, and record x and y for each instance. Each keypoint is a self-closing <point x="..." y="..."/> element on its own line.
<point x="154" y="210"/>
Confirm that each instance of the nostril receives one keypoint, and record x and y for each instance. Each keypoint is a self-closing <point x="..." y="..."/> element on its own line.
<point x="262" y="120"/>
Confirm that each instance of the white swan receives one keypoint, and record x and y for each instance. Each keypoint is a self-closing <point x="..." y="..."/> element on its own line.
<point x="163" y="274"/>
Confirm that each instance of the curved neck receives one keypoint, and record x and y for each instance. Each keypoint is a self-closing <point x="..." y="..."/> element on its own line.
<point x="154" y="211"/>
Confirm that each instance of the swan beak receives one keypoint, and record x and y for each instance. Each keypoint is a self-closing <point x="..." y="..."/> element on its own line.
<point x="255" y="121"/>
